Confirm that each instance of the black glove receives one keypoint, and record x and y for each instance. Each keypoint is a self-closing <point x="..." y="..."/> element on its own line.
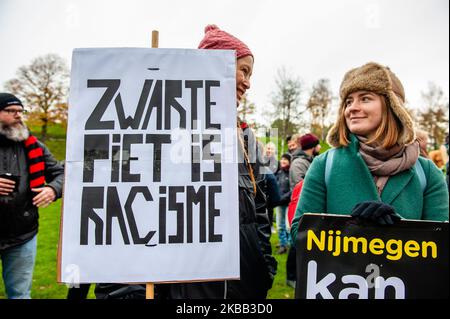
<point x="378" y="212"/>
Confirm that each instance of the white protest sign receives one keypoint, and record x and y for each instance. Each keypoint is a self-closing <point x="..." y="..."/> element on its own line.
<point x="151" y="188"/>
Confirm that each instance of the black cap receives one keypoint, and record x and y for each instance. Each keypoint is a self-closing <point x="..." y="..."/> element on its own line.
<point x="7" y="99"/>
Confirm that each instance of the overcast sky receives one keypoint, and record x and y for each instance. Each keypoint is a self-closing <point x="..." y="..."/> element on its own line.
<point x="313" y="39"/>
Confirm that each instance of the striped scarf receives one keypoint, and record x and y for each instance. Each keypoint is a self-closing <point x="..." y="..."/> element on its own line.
<point x="36" y="164"/>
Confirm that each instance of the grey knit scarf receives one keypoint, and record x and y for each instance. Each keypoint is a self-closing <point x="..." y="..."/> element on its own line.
<point x="384" y="163"/>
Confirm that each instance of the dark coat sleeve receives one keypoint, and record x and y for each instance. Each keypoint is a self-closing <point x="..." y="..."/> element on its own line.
<point x="273" y="191"/>
<point x="285" y="199"/>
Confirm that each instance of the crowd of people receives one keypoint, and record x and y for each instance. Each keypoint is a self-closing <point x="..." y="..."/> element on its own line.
<point x="374" y="146"/>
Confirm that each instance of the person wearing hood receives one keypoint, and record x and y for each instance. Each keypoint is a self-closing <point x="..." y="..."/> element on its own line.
<point x="376" y="173"/>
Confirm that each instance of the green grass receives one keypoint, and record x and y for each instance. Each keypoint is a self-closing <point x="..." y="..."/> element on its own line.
<point x="56" y="131"/>
<point x="56" y="139"/>
<point x="279" y="288"/>
<point x="57" y="147"/>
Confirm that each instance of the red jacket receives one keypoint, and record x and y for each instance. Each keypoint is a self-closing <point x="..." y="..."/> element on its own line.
<point x="294" y="200"/>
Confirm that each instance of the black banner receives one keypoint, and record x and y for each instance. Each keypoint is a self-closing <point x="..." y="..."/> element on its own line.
<point x="339" y="257"/>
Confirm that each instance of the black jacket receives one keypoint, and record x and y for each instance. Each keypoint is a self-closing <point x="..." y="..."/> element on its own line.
<point x="283" y="183"/>
<point x="18" y="215"/>
<point x="257" y="265"/>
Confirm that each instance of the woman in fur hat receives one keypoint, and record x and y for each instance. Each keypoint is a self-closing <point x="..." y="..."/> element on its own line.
<point x="374" y="149"/>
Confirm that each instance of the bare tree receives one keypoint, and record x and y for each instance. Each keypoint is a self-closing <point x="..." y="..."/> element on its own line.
<point x="434" y="119"/>
<point x="291" y="128"/>
<point x="286" y="101"/>
<point x="43" y="87"/>
<point x="318" y="104"/>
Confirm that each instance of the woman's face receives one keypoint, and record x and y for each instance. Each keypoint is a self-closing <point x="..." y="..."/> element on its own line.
<point x="363" y="113"/>
<point x="270" y="150"/>
<point x="244" y="69"/>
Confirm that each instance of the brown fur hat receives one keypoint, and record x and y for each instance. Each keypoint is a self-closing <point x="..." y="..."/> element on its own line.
<point x="381" y="80"/>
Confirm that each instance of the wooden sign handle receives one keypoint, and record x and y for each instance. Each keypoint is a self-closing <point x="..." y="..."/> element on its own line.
<point x="150" y="287"/>
<point x="149" y="291"/>
<point x="155" y="39"/>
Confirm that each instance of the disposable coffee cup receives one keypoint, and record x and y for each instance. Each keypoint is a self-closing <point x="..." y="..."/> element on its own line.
<point x="12" y="177"/>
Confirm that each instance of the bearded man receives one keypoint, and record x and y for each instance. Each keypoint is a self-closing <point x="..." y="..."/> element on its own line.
<point x="30" y="178"/>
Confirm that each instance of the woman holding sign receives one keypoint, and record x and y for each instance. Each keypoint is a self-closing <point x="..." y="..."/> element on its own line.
<point x="257" y="265"/>
<point x="374" y="171"/>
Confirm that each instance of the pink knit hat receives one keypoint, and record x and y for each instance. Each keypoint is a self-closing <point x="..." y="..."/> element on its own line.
<point x="217" y="39"/>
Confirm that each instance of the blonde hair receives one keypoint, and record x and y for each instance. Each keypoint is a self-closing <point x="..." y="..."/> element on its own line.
<point x="389" y="133"/>
<point x="272" y="145"/>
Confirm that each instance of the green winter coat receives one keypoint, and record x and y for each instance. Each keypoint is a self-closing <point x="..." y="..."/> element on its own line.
<point x="351" y="182"/>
